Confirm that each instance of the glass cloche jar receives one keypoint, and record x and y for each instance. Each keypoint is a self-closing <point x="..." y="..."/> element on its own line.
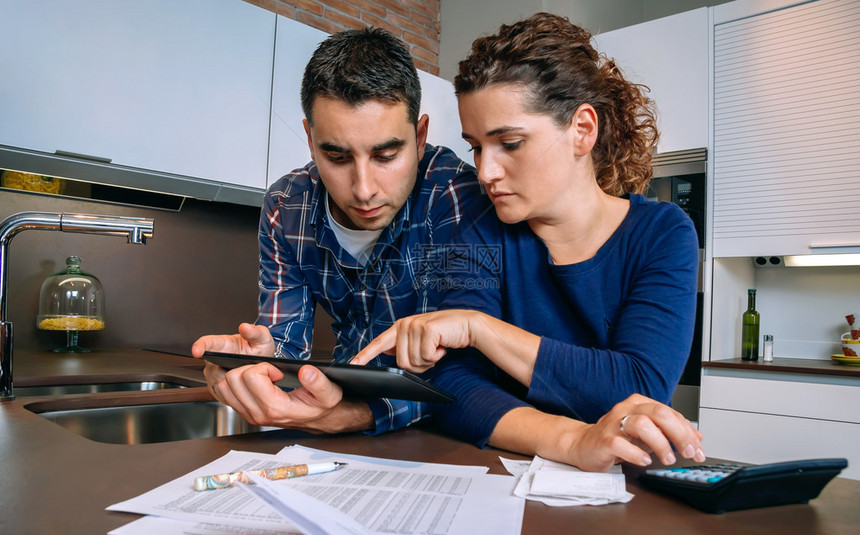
<point x="71" y="301"/>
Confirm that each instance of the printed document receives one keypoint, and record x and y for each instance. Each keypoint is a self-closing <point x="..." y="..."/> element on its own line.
<point x="380" y="495"/>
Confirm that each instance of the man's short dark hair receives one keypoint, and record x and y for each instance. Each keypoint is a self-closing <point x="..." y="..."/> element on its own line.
<point x="360" y="65"/>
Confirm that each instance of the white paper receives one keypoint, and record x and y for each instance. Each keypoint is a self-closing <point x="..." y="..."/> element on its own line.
<point x="312" y="455"/>
<point x="169" y="526"/>
<point x="381" y="495"/>
<point x="310" y="515"/>
<point x="578" y="484"/>
<point x="515" y="468"/>
<point x="558" y="484"/>
<point x="177" y="499"/>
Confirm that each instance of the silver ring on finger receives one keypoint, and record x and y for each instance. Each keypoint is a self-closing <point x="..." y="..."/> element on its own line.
<point x="624" y="421"/>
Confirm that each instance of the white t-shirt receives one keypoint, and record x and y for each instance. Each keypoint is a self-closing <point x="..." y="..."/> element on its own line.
<point x="358" y="243"/>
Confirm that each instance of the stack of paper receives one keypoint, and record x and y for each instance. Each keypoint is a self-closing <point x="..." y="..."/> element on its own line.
<point x="370" y="495"/>
<point x="560" y="484"/>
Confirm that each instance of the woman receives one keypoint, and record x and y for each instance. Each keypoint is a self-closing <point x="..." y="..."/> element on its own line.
<point x="580" y="292"/>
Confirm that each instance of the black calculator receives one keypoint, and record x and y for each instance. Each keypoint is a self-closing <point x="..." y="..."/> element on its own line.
<point x="718" y="488"/>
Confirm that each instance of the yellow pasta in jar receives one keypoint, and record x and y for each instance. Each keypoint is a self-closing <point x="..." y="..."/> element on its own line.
<point x="71" y="323"/>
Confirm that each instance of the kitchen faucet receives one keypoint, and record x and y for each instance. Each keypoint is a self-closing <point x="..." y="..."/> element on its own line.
<point x="135" y="229"/>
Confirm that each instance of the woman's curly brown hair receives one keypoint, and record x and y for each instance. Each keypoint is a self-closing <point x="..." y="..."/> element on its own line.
<point x="554" y="60"/>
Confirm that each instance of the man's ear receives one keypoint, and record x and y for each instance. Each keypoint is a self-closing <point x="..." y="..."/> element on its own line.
<point x="421" y="130"/>
<point x="584" y="123"/>
<point x="310" y="139"/>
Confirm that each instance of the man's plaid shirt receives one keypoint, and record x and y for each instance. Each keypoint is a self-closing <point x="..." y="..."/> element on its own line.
<point x="302" y="264"/>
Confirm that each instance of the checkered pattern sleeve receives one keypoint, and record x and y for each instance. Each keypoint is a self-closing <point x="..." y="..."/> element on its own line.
<point x="286" y="305"/>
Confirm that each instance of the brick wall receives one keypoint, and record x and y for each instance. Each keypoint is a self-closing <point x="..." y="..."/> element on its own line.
<point x="416" y="22"/>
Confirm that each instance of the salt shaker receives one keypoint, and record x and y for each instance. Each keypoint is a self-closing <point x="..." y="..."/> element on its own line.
<point x="768" y="348"/>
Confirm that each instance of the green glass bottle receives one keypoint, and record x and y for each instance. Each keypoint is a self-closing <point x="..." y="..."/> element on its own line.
<point x="749" y="333"/>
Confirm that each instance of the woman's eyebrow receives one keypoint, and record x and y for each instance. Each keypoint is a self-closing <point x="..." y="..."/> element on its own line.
<point x="495" y="131"/>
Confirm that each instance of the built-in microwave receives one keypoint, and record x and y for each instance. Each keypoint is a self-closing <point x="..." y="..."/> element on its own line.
<point x="681" y="178"/>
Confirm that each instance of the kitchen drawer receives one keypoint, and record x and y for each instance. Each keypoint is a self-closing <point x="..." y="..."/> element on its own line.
<point x="783" y="394"/>
<point x="764" y="438"/>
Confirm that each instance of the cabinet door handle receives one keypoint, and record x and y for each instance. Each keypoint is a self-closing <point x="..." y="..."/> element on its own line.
<point x="79" y="156"/>
<point x="826" y="245"/>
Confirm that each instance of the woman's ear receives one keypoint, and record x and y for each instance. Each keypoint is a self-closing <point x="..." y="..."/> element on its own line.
<point x="584" y="123"/>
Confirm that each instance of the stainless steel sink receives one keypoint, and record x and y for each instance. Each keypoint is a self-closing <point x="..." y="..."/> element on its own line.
<point x="95" y="388"/>
<point x="144" y="424"/>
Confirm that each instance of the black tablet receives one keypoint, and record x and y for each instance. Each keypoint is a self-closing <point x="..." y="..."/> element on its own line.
<point x="360" y="381"/>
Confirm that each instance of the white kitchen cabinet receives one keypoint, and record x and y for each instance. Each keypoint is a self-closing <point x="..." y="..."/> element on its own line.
<point x="181" y="88"/>
<point x="670" y="56"/>
<point x="763" y="417"/>
<point x="288" y="143"/>
<point x="786" y="129"/>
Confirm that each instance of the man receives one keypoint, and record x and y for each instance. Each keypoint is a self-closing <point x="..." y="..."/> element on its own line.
<point x="355" y="230"/>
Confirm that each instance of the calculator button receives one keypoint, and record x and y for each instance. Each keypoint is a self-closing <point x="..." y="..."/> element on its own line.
<point x="655" y="472"/>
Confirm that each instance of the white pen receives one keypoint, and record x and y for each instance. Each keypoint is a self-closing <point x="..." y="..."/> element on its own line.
<point x="220" y="481"/>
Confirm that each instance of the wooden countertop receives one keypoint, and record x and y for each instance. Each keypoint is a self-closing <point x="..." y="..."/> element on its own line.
<point x="788" y="365"/>
<point x="52" y="480"/>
